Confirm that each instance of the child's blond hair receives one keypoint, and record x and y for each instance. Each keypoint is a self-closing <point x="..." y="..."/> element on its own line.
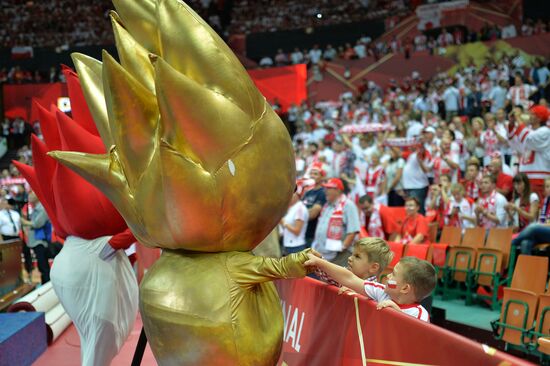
<point x="377" y="250"/>
<point x="420" y="274"/>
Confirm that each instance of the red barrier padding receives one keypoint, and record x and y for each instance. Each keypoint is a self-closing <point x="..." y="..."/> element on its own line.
<point x="321" y="329"/>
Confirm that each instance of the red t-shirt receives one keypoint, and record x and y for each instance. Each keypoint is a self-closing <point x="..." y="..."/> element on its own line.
<point x="413" y="226"/>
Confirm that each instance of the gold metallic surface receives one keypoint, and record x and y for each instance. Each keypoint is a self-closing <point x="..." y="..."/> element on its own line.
<point x="200" y="165"/>
<point x="230" y="313"/>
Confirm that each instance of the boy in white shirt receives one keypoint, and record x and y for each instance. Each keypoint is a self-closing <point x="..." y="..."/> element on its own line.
<point x="411" y="281"/>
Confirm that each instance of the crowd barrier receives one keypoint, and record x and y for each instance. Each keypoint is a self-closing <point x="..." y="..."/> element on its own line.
<point x="324" y="328"/>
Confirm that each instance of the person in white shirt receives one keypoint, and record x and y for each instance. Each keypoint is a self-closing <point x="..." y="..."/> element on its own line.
<point x="532" y="142"/>
<point x="10" y="221"/>
<point x="497" y="96"/>
<point x="451" y="97"/>
<point x="294" y="226"/>
<point x="315" y="55"/>
<point x="460" y="212"/>
<point x="491" y="206"/>
<point x="525" y="208"/>
<point x="296" y="57"/>
<point x="519" y="93"/>
<point x="415" y="178"/>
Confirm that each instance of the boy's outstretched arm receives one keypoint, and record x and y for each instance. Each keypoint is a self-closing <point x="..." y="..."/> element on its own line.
<point x="337" y="273"/>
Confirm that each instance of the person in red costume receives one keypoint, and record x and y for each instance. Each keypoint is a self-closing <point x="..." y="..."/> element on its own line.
<point x="92" y="275"/>
<point x="533" y="143"/>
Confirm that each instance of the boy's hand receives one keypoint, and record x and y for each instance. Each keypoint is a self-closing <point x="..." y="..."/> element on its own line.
<point x="316" y="253"/>
<point x="387" y="304"/>
<point x="344" y="290"/>
<point x="312" y="261"/>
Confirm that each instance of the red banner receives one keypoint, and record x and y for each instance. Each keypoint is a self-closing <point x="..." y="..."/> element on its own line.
<point x="287" y="84"/>
<point x="324" y="328"/>
<point x="18" y="98"/>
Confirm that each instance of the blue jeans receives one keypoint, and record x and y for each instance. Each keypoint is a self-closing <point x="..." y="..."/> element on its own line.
<point x="290" y="250"/>
<point x="530" y="236"/>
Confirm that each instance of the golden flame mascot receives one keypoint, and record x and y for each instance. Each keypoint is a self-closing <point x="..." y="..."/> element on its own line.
<point x="198" y="164"/>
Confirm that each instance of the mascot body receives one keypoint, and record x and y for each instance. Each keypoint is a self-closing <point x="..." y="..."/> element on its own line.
<point x="92" y="278"/>
<point x="198" y="164"/>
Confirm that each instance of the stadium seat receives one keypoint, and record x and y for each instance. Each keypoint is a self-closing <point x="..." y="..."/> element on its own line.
<point x="461" y="258"/>
<point x="516" y="318"/>
<point x="542" y="321"/>
<point x="544" y="345"/>
<point x="421" y="251"/>
<point x="432" y="232"/>
<point x="397" y="249"/>
<point x="451" y="235"/>
<point x="491" y="261"/>
<point x="530" y="274"/>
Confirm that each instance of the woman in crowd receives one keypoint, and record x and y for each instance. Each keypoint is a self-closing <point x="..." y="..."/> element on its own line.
<point x="525" y="206"/>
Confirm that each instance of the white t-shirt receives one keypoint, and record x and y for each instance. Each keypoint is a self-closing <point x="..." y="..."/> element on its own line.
<point x="376" y="292"/>
<point x="450" y="97"/>
<point x="413" y="176"/>
<point x="10" y="227"/>
<point x="296" y="212"/>
<point x="465" y="208"/>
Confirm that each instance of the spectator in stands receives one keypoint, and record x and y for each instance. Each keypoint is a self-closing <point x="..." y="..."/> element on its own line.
<point x="490" y="208"/>
<point x="374" y="216"/>
<point x="539" y="232"/>
<point x="451" y="97"/>
<point x="415" y="175"/>
<point x="504" y="184"/>
<point x="520" y="93"/>
<point x="534" y="145"/>
<point x="38" y="232"/>
<point x="540" y="77"/>
<point x="338" y="224"/>
<point x="460" y="211"/>
<point x="394" y="178"/>
<point x="314" y="200"/>
<point x="438" y="200"/>
<point x="414" y="229"/>
<point x="472" y="179"/>
<point x="10" y="220"/>
<point x="294" y="225"/>
<point x="493" y="138"/>
<point x="296" y="57"/>
<point x="525" y="207"/>
<point x="411" y="281"/>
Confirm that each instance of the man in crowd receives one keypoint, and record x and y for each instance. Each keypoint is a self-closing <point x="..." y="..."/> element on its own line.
<point x="338" y="224"/>
<point x="504" y="184"/>
<point x="415" y="174"/>
<point x="314" y="199"/>
<point x="491" y="206"/>
<point x="10" y="221"/>
<point x="533" y="143"/>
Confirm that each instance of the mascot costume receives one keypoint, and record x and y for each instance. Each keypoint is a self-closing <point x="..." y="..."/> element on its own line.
<point x="93" y="280"/>
<point x="198" y="164"/>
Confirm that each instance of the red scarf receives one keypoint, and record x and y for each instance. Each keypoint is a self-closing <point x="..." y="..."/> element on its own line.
<point x="373" y="179"/>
